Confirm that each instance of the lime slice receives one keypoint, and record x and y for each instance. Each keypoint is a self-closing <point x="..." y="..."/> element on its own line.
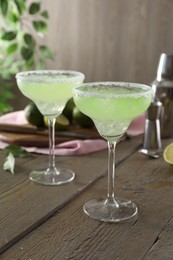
<point x="61" y="123"/>
<point x="168" y="154"/>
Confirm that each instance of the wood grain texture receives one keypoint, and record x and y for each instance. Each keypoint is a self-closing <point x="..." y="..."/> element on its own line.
<point x="25" y="205"/>
<point x="116" y="40"/>
<point x="163" y="246"/>
<point x="70" y="234"/>
<point x="29" y="136"/>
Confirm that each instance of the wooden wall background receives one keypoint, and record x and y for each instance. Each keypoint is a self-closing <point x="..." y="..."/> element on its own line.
<point x="118" y="40"/>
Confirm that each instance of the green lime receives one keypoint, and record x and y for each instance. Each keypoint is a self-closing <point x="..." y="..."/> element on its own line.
<point x="61" y="123"/>
<point x="33" y="115"/>
<point x="68" y="110"/>
<point x="168" y="154"/>
<point x="82" y="119"/>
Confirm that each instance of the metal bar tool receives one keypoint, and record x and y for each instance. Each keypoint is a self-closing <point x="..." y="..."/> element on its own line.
<point x="152" y="134"/>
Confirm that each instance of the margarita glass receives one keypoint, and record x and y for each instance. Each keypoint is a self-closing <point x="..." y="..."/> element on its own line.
<point x="112" y="106"/>
<point x="50" y="90"/>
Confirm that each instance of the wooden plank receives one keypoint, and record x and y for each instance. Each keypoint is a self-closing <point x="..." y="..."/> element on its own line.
<point x="162" y="247"/>
<point x="25" y="205"/>
<point x="70" y="234"/>
<point x="30" y="136"/>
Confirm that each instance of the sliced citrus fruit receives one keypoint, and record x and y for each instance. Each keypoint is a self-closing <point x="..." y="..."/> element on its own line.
<point x="61" y="122"/>
<point x="168" y="154"/>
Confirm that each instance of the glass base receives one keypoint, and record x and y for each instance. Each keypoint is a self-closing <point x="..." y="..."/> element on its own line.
<point x="54" y="177"/>
<point x="110" y="212"/>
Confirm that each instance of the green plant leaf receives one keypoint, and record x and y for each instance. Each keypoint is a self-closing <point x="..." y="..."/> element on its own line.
<point x="11" y="152"/>
<point x="21" y="6"/>
<point x="45" y="14"/>
<point x="12" y="48"/>
<point x="5" y="74"/>
<point x="17" y="151"/>
<point x="34" y="8"/>
<point x="6" y="63"/>
<point x="29" y="64"/>
<point x="4" y="107"/>
<point x="9" y="163"/>
<point x="26" y="53"/>
<point x="28" y="39"/>
<point x="9" y="36"/>
<point x="4" y="6"/>
<point x="6" y="96"/>
<point x="40" y="26"/>
<point x="40" y="64"/>
<point x="46" y="52"/>
<point x="13" y="17"/>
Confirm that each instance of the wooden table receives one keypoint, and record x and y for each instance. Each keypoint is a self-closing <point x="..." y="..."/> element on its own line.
<point x="48" y="223"/>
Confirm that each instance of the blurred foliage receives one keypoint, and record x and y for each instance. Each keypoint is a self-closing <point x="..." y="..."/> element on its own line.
<point x="22" y="24"/>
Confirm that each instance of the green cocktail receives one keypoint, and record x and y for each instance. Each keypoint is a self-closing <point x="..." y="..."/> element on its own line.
<point x="112" y="106"/>
<point x="50" y="90"/>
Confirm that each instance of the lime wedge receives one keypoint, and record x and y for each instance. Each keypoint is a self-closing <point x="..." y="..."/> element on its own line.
<point x="168" y="154"/>
<point x="61" y="123"/>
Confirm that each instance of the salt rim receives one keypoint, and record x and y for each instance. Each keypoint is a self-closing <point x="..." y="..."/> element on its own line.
<point x="149" y="91"/>
<point x="37" y="75"/>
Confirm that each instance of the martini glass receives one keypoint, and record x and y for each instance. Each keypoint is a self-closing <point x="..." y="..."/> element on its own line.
<point x="112" y="106"/>
<point x="50" y="90"/>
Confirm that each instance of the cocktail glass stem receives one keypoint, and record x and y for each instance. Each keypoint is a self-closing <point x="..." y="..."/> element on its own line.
<point x="52" y="175"/>
<point x="111" y="174"/>
<point x="111" y="209"/>
<point x="51" y="123"/>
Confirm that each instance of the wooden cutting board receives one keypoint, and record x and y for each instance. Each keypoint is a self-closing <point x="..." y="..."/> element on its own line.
<point x="40" y="139"/>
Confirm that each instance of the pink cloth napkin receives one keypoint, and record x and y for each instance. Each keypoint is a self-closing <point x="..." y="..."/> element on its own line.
<point x="74" y="147"/>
